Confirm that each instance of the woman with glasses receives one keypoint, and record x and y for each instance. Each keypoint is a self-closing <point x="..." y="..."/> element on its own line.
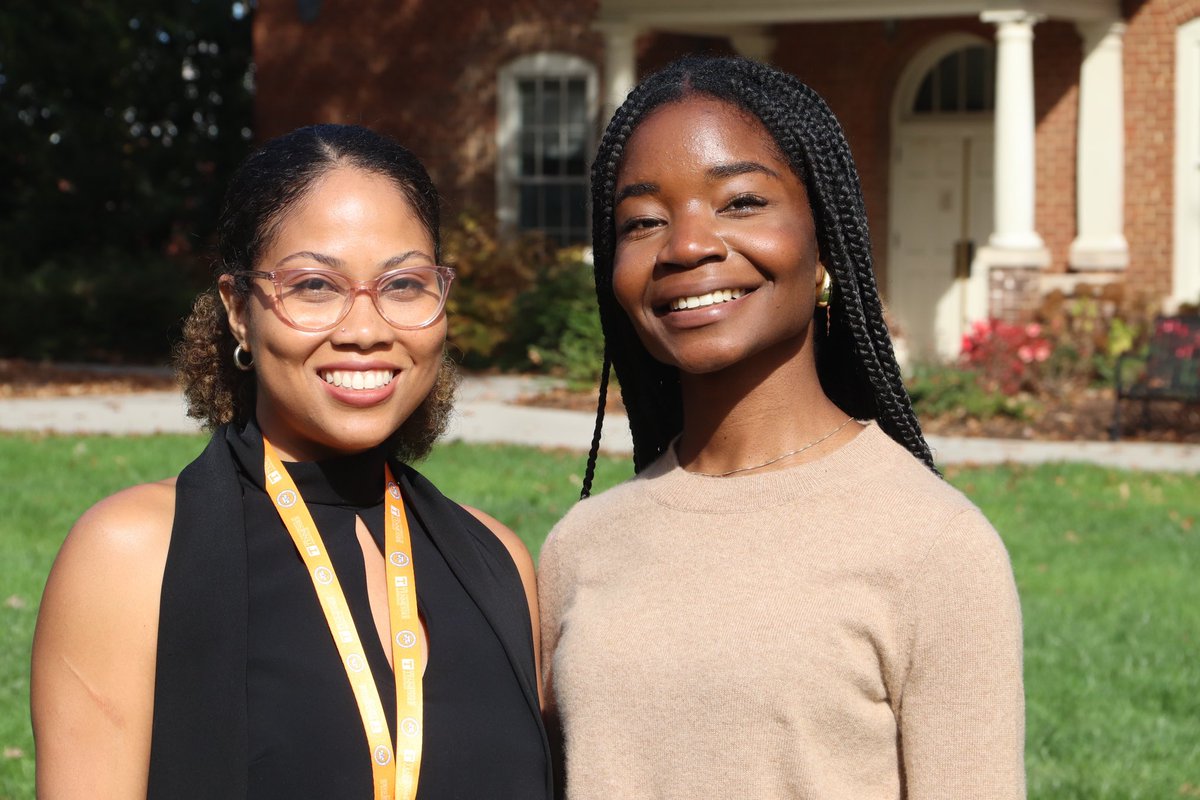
<point x="300" y="613"/>
<point x="786" y="601"/>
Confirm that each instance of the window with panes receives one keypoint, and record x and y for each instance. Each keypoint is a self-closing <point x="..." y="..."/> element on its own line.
<point x="962" y="82"/>
<point x="552" y="142"/>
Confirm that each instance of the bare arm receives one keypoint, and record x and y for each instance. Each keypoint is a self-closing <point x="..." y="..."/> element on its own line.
<point x="92" y="681"/>
<point x="520" y="556"/>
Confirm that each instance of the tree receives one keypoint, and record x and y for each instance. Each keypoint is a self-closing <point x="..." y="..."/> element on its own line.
<point x="119" y="126"/>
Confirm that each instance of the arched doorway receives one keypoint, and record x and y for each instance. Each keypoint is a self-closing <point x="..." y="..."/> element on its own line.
<point x="941" y="193"/>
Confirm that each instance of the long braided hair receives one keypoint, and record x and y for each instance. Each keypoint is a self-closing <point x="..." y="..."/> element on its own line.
<point x="855" y="361"/>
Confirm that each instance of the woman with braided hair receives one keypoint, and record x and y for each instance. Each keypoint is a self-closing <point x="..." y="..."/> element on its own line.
<point x="786" y="601"/>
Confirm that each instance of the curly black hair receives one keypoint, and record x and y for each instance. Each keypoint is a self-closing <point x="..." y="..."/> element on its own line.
<point x="855" y="361"/>
<point x="271" y="182"/>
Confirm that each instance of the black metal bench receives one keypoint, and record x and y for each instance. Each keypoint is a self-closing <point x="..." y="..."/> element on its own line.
<point x="1170" y="370"/>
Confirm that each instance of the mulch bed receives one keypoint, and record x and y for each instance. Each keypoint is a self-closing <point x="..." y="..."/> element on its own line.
<point x="22" y="378"/>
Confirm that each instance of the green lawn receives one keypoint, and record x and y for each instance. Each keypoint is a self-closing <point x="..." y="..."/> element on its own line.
<point x="1106" y="562"/>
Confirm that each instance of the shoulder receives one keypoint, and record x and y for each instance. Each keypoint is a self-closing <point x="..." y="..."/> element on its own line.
<point x="134" y="523"/>
<point x="512" y="543"/>
<point x="599" y="512"/>
<point x="115" y="553"/>
<point x="899" y="486"/>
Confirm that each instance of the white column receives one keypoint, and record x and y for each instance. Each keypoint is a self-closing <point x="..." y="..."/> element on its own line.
<point x="1014" y="239"/>
<point x="1100" y="159"/>
<point x="620" y="65"/>
<point x="1185" y="277"/>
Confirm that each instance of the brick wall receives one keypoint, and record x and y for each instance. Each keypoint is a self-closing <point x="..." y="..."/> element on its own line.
<point x="427" y="73"/>
<point x="423" y="72"/>
<point x="857" y="67"/>
<point x="1150" y="137"/>
<point x="1057" y="58"/>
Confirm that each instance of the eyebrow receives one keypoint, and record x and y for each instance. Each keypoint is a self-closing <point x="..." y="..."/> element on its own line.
<point x="336" y="263"/>
<point x="396" y="261"/>
<point x="717" y="173"/>
<point x="634" y="190"/>
<point x="722" y="171"/>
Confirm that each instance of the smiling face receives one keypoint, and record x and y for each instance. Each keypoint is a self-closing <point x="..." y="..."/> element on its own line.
<point x="716" y="257"/>
<point x="360" y="224"/>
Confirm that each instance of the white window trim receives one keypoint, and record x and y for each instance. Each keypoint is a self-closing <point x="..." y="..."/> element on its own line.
<point x="1185" y="283"/>
<point x="914" y="74"/>
<point x="508" y="117"/>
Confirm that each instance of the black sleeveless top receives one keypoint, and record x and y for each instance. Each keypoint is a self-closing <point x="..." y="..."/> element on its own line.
<point x="303" y="734"/>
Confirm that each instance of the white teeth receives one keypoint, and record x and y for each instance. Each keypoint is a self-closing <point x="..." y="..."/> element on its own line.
<point x="712" y="298"/>
<point x="357" y="379"/>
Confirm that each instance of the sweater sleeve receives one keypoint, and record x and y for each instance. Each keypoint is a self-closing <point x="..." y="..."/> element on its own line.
<point x="961" y="705"/>
<point x="551" y="587"/>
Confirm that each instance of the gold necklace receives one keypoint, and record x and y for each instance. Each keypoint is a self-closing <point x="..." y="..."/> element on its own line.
<point x="788" y="454"/>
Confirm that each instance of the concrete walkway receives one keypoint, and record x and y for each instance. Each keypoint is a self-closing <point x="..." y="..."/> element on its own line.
<point x="486" y="412"/>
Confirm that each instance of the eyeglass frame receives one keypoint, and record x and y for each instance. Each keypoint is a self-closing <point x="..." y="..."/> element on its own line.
<point x="370" y="288"/>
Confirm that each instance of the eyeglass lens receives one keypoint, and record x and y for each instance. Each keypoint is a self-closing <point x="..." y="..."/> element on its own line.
<point x="317" y="300"/>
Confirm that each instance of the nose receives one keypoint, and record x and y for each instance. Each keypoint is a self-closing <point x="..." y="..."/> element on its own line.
<point x="363" y="326"/>
<point x="693" y="239"/>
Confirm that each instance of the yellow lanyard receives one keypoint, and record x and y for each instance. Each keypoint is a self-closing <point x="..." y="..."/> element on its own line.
<point x="395" y="778"/>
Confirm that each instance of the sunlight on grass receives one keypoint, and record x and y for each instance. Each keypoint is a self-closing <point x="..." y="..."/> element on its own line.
<point x="1106" y="562"/>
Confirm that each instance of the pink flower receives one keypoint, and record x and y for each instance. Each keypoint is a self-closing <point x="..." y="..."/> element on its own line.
<point x="1025" y="353"/>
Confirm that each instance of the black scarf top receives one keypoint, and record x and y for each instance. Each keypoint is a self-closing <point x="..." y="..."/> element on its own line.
<point x="201" y="742"/>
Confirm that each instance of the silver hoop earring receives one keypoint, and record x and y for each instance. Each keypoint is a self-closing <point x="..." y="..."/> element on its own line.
<point x="242" y="359"/>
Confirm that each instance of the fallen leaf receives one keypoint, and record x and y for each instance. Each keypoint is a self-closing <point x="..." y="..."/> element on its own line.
<point x="15" y="601"/>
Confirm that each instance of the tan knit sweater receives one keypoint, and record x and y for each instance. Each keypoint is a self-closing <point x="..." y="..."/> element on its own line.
<point x="847" y="628"/>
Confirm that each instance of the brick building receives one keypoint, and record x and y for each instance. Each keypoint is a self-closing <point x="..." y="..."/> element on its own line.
<point x="1006" y="148"/>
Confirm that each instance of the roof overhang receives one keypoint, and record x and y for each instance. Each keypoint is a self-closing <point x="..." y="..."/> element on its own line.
<point x="684" y="14"/>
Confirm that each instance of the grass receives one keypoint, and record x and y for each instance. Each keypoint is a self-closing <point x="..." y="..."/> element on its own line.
<point x="1106" y="562"/>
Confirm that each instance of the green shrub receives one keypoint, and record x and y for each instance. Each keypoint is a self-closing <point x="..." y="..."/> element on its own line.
<point x="108" y="306"/>
<point x="1014" y="369"/>
<point x="943" y="390"/>
<point x="492" y="272"/>
<point x="519" y="304"/>
<point x="1090" y="329"/>
<point x="557" y="326"/>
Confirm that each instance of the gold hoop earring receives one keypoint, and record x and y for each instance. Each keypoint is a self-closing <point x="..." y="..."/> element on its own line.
<point x="242" y="359"/>
<point x="825" y="296"/>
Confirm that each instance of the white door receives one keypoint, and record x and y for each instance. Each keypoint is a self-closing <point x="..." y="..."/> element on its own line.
<point x="941" y="200"/>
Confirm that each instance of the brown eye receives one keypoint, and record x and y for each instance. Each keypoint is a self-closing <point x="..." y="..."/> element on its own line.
<point x="637" y="225"/>
<point x="308" y="283"/>
<point x="745" y="202"/>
